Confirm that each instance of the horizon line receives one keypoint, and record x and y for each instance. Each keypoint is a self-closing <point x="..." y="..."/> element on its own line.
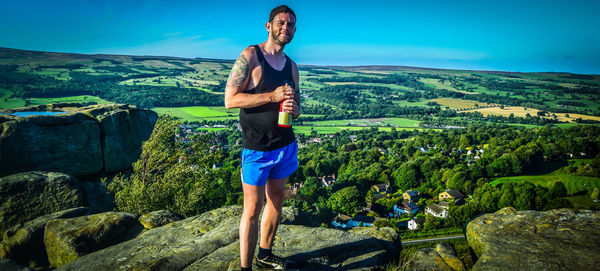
<point x="305" y="65"/>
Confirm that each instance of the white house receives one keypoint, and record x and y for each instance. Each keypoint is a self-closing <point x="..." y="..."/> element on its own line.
<point x="415" y="223"/>
<point x="436" y="210"/>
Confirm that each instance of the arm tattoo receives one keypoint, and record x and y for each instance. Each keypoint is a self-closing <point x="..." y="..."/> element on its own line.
<point x="239" y="72"/>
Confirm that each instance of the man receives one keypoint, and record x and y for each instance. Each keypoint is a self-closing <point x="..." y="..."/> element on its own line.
<point x="261" y="79"/>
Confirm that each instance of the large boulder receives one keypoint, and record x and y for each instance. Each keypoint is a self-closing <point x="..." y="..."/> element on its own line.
<point x="85" y="140"/>
<point x="158" y="218"/>
<point x="25" y="243"/>
<point x="68" y="143"/>
<point x="26" y="196"/>
<point x="442" y="257"/>
<point x="560" y="239"/>
<point x="10" y="265"/>
<point x="97" y="195"/>
<point x="210" y="242"/>
<point x="69" y="239"/>
<point x="124" y="128"/>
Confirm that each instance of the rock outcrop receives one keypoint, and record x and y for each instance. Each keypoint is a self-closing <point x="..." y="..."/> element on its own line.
<point x="210" y="242"/>
<point x="10" y="265"/>
<point x="560" y="239"/>
<point x="85" y="140"/>
<point x="158" y="218"/>
<point x="29" y="195"/>
<point x="443" y="258"/>
<point x="69" y="239"/>
<point x="25" y="243"/>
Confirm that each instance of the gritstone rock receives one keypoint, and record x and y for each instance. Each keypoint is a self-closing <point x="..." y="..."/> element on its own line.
<point x="69" y="239"/>
<point x="561" y="239"/>
<point x="25" y="243"/>
<point x="210" y="242"/>
<point x="26" y="196"/>
<point x="158" y="218"/>
<point x="85" y="140"/>
<point x="442" y="257"/>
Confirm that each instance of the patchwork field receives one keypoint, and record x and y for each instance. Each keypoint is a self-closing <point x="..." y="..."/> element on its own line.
<point x="7" y="101"/>
<point x="460" y="103"/>
<point x="519" y="111"/>
<point x="199" y="113"/>
<point x="398" y="93"/>
<point x="391" y="122"/>
<point x="436" y="83"/>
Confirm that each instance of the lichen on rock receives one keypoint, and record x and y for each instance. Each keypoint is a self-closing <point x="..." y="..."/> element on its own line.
<point x="561" y="239"/>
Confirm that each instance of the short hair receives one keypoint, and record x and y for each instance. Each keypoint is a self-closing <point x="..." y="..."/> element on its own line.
<point x="279" y="9"/>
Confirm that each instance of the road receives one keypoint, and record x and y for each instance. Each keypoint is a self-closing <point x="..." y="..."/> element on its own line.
<point x="433" y="239"/>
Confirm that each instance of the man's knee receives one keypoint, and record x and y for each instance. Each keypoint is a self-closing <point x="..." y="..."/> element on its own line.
<point x="252" y="211"/>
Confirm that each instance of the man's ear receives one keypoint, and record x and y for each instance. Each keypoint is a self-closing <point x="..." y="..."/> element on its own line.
<point x="268" y="26"/>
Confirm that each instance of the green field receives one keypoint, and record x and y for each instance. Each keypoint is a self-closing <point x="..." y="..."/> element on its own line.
<point x="393" y="122"/>
<point x="584" y="202"/>
<point x="573" y="183"/>
<point x="8" y="102"/>
<point x="199" y="113"/>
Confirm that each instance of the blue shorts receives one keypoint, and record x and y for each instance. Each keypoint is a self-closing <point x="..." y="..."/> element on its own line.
<point x="258" y="166"/>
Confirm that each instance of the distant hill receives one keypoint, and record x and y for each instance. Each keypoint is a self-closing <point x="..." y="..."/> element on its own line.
<point x="327" y="92"/>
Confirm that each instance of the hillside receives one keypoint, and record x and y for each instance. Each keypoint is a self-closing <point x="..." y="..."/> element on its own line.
<point x="188" y="88"/>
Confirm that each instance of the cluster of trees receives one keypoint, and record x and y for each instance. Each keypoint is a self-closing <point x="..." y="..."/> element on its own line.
<point x="379" y="157"/>
<point x="175" y="176"/>
<point x="181" y="177"/>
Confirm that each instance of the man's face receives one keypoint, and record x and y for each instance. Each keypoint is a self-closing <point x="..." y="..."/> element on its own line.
<point x="282" y="28"/>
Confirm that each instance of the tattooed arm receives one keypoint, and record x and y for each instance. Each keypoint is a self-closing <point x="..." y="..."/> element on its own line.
<point x="239" y="79"/>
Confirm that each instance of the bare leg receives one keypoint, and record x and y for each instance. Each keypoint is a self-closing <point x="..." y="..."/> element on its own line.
<point x="254" y="197"/>
<point x="271" y="215"/>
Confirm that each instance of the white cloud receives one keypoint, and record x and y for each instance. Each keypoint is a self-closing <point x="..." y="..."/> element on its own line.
<point x="181" y="46"/>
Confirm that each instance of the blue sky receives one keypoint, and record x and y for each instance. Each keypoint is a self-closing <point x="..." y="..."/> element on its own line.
<point x="491" y="35"/>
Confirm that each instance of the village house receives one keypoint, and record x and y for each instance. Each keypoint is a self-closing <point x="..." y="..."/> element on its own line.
<point x="381" y="188"/>
<point x="378" y="196"/>
<point x="415" y="223"/>
<point x="411" y="195"/>
<point x="410" y="207"/>
<point x="316" y="140"/>
<point x="362" y="220"/>
<point x="436" y="210"/>
<point x="295" y="187"/>
<point x="342" y="221"/>
<point x="451" y="194"/>
<point x="397" y="211"/>
<point x="327" y="181"/>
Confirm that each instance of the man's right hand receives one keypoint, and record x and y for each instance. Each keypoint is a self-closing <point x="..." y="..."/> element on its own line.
<point x="282" y="93"/>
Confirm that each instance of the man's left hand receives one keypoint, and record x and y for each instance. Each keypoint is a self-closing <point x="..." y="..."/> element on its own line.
<point x="290" y="106"/>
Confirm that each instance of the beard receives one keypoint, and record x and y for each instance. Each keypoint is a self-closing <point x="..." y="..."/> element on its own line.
<point x="281" y="40"/>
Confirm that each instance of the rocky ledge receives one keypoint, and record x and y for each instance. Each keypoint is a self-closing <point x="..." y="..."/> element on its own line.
<point x="85" y="140"/>
<point x="560" y="239"/>
<point x="210" y="242"/>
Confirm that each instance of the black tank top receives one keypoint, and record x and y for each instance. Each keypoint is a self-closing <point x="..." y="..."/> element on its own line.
<point x="259" y="124"/>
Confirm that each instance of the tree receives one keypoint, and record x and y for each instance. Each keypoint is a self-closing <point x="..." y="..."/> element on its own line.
<point x="167" y="176"/>
<point x="346" y="200"/>
<point x="431" y="223"/>
<point x="595" y="194"/>
<point x="559" y="190"/>
<point x="405" y="176"/>
<point x="312" y="189"/>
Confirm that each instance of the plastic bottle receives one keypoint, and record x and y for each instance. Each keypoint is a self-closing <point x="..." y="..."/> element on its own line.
<point x="285" y="119"/>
